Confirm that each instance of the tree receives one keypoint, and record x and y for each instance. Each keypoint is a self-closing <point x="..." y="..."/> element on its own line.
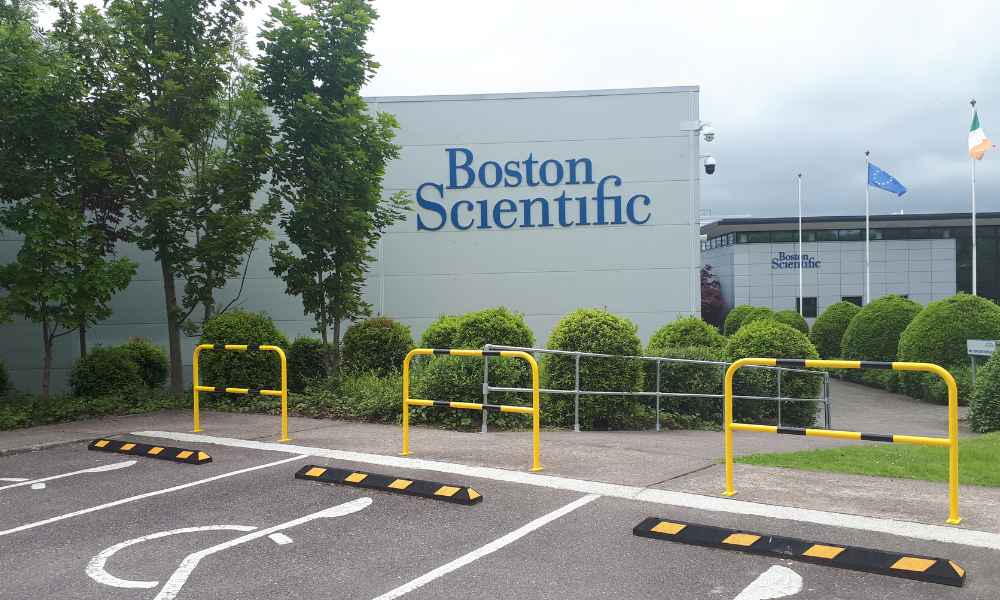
<point x="205" y="141"/>
<point x="60" y="278"/>
<point x="330" y="160"/>
<point x="712" y="302"/>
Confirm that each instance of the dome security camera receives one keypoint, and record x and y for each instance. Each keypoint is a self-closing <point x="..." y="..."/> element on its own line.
<point x="708" y="132"/>
<point x="709" y="165"/>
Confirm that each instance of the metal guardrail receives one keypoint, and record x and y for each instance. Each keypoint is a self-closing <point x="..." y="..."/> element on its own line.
<point x="577" y="392"/>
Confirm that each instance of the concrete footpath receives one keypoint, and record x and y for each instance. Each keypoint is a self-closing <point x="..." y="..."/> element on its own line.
<point x="685" y="461"/>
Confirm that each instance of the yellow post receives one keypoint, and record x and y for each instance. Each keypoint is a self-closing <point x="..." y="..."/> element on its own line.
<point x="406" y="399"/>
<point x="194" y="385"/>
<point x="728" y="422"/>
<point x="284" y="394"/>
<point x="536" y="412"/>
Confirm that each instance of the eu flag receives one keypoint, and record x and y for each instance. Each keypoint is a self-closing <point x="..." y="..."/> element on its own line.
<point x="883" y="181"/>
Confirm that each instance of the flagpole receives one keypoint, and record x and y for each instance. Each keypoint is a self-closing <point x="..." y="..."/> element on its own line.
<point x="868" y="241"/>
<point x="801" y="301"/>
<point x="973" y="212"/>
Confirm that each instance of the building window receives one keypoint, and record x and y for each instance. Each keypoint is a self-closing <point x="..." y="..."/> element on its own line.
<point x="757" y="237"/>
<point x="826" y="235"/>
<point x="850" y="235"/>
<point x="852" y="299"/>
<point x="808" y="236"/>
<point x="808" y="307"/>
<point x="894" y="234"/>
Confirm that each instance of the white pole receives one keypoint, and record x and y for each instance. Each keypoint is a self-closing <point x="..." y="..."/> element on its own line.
<point x="801" y="301"/>
<point x="868" y="242"/>
<point x="973" y="103"/>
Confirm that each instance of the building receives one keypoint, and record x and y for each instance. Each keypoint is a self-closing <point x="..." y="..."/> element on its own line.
<point x="540" y="202"/>
<point x="922" y="257"/>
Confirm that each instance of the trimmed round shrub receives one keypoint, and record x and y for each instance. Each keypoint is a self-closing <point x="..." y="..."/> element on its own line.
<point x="600" y="332"/>
<point x="936" y="389"/>
<point x="761" y="313"/>
<point x="684" y="333"/>
<point x="828" y="329"/>
<point x="440" y="333"/>
<point x="679" y="377"/>
<point x="104" y="372"/>
<point x="938" y="333"/>
<point x="153" y="361"/>
<point x="256" y="369"/>
<point x="460" y="378"/>
<point x="378" y="344"/>
<point x="306" y="363"/>
<point x="735" y="318"/>
<point x="874" y="333"/>
<point x="770" y="339"/>
<point x="792" y="319"/>
<point x="6" y="383"/>
<point x="984" y="403"/>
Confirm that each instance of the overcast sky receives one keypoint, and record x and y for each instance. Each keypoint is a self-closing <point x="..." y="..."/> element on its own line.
<point x="790" y="87"/>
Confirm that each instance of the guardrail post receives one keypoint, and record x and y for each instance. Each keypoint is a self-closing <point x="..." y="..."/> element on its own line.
<point x="197" y="420"/>
<point x="576" y="397"/>
<point x="658" y="394"/>
<point x="826" y="390"/>
<point x="486" y="384"/>
<point x="779" y="397"/>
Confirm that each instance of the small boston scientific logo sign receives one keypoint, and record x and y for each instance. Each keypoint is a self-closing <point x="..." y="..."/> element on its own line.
<point x="791" y="261"/>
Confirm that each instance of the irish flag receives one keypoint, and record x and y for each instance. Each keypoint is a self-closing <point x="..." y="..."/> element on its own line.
<point x="977" y="139"/>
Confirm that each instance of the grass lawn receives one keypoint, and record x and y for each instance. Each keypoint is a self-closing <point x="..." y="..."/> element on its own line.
<point x="978" y="460"/>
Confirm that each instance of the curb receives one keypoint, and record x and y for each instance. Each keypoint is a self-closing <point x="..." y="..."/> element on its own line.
<point x="37" y="447"/>
<point x="388" y="483"/>
<point x="880" y="562"/>
<point x="181" y="455"/>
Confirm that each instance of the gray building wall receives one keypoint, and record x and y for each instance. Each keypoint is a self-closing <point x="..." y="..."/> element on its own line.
<point x="646" y="272"/>
<point x="922" y="269"/>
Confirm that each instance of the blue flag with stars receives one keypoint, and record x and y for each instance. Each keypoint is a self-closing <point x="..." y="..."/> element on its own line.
<point x="883" y="181"/>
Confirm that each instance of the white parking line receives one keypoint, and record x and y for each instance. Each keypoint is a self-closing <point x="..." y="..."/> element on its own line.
<point x="776" y="582"/>
<point x="493" y="546"/>
<point x="146" y="495"/>
<point x="40" y="483"/>
<point x="920" y="531"/>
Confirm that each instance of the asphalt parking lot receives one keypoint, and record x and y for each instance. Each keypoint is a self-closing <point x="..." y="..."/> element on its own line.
<point x="242" y="526"/>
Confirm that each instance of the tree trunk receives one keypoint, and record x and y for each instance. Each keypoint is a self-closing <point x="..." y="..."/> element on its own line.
<point x="322" y="327"/>
<point x="336" y="335"/>
<point x="83" y="339"/>
<point x="173" y="329"/>
<point x="47" y="371"/>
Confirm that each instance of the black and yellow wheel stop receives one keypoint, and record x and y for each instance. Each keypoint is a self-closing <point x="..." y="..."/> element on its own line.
<point x="880" y="562"/>
<point x="181" y="455"/>
<point x="388" y="483"/>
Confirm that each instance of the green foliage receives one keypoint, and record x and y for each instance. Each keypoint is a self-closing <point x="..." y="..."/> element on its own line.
<point x="306" y="363"/>
<point x="330" y="158"/>
<point x="460" y="378"/>
<point x="735" y="319"/>
<point x="441" y="333"/>
<point x="105" y="372"/>
<point x="20" y="411"/>
<point x="6" y="383"/>
<point x="679" y="377"/>
<point x="984" y="403"/>
<point x="770" y="339"/>
<point x="257" y="369"/>
<point x="935" y="388"/>
<point x="792" y="319"/>
<point x="874" y="333"/>
<point x="938" y="333"/>
<point x="686" y="332"/>
<point x="153" y="362"/>
<point x="761" y="313"/>
<point x="378" y="344"/>
<point x="600" y="332"/>
<point x="828" y="329"/>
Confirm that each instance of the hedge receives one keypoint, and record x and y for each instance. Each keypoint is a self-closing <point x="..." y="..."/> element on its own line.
<point x="306" y="363"/>
<point x="984" y="404"/>
<point x="257" y="369"/>
<point x="600" y="332"/>
<point x="153" y="361"/>
<point x="792" y="319"/>
<point x="440" y="333"/>
<point x="378" y="344"/>
<point x="770" y="339"/>
<point x="677" y="377"/>
<point x="874" y="333"/>
<point x="104" y="372"/>
<point x="6" y="383"/>
<point x="735" y="318"/>
<point x="828" y="329"/>
<point x="937" y="335"/>
<point x="761" y="313"/>
<point x="684" y="333"/>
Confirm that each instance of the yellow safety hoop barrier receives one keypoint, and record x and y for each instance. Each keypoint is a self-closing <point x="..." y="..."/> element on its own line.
<point x="407" y="401"/>
<point x="951" y="441"/>
<point x="283" y="392"/>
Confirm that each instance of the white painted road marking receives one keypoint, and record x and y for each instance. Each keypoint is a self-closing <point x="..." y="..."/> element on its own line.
<point x="487" y="549"/>
<point x="146" y="495"/>
<point x="13" y="479"/>
<point x="776" y="582"/>
<point x="920" y="531"/>
<point x="101" y="469"/>
<point x="96" y="566"/>
<point x="280" y="538"/>
<point x="180" y="576"/>
<point x="38" y="486"/>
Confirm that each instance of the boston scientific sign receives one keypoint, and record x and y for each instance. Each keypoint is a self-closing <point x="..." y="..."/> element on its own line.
<point x="538" y="209"/>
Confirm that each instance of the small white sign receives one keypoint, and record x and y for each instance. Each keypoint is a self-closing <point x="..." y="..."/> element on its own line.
<point x="980" y="347"/>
